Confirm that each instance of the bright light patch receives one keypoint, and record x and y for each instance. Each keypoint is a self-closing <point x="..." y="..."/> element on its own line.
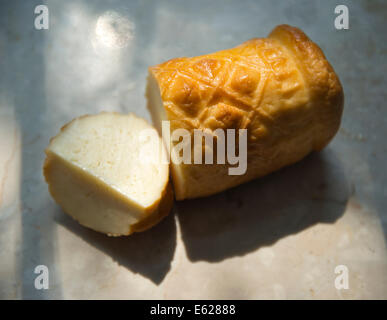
<point x="114" y="30"/>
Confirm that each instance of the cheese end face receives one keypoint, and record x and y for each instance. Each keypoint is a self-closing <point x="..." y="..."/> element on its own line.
<point x="96" y="171"/>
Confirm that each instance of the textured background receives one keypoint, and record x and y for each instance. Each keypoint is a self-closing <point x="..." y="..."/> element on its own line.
<point x="278" y="237"/>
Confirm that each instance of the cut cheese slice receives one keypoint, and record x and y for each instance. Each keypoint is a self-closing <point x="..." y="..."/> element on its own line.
<point x="99" y="170"/>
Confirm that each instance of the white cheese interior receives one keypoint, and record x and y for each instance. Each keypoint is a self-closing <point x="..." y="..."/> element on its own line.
<point x="97" y="174"/>
<point x="158" y="113"/>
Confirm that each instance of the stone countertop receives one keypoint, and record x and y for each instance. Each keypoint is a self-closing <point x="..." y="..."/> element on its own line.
<point x="278" y="237"/>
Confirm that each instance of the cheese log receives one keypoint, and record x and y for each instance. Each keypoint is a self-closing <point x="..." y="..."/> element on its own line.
<point x="96" y="171"/>
<point x="280" y="88"/>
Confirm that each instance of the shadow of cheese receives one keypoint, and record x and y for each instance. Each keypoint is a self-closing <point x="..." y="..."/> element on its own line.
<point x="261" y="212"/>
<point x="148" y="253"/>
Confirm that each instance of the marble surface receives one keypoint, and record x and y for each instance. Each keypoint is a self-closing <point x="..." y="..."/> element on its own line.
<point x="277" y="237"/>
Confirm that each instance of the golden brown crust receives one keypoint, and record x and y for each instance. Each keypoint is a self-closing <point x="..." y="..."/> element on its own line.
<point x="323" y="84"/>
<point x="281" y="88"/>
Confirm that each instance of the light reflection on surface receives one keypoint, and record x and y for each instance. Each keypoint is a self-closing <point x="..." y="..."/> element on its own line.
<point x="113" y="30"/>
<point x="10" y="194"/>
<point x="10" y="149"/>
<point x="87" y="62"/>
